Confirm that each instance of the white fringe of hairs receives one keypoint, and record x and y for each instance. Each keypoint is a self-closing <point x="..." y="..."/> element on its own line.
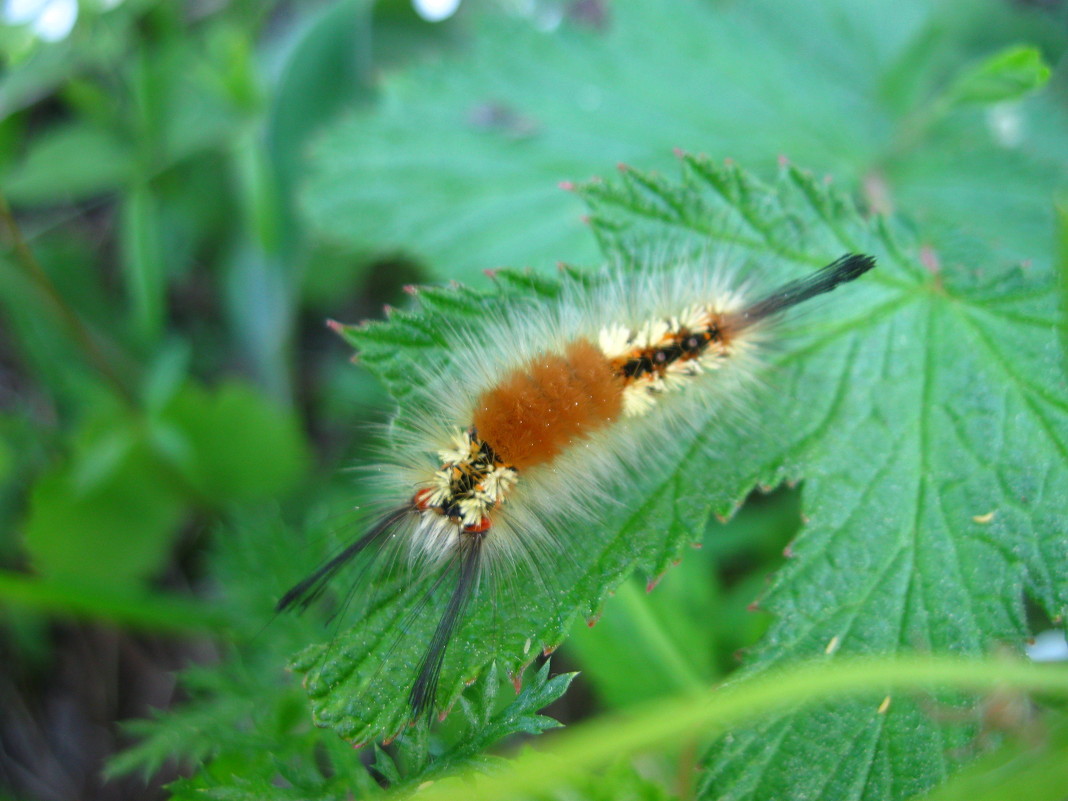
<point x="530" y="513"/>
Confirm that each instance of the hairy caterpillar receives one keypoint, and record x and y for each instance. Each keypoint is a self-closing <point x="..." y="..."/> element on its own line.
<point x="524" y="431"/>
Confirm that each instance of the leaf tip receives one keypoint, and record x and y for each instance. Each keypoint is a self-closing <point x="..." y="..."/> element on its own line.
<point x="929" y="259"/>
<point x="725" y="517"/>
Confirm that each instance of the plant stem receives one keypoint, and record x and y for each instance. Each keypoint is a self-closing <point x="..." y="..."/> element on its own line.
<point x="11" y="233"/>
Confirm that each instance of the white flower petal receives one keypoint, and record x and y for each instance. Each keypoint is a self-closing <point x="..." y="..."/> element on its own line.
<point x="56" y="20"/>
<point x="435" y="10"/>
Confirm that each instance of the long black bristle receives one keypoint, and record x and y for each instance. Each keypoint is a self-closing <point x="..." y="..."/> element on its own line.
<point x="841" y="271"/>
<point x="424" y="691"/>
<point x="305" y="592"/>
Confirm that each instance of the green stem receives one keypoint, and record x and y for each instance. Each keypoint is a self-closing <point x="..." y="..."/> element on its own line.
<point x="678" y="672"/>
<point x="714" y="711"/>
<point x="152" y="612"/>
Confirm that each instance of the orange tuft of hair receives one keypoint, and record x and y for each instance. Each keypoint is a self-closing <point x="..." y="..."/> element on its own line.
<point x="540" y="409"/>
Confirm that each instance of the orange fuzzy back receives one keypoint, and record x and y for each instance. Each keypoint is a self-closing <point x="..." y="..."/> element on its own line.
<point x="540" y="409"/>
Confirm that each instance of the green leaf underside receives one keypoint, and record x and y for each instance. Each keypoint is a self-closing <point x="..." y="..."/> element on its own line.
<point x="471" y="147"/>
<point x="926" y="398"/>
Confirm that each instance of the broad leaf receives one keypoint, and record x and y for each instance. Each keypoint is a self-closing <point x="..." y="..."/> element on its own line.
<point x="359" y="681"/>
<point x="936" y="483"/>
<point x="926" y="412"/>
<point x="459" y="162"/>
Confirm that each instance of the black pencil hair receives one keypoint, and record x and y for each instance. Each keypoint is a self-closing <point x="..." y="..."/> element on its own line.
<point x="424" y="691"/>
<point x="841" y="271"/>
<point x="304" y="593"/>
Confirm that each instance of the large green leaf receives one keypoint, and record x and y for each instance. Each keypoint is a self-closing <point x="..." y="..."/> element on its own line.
<point x="459" y="162"/>
<point x="240" y="445"/>
<point x="108" y="516"/>
<point x="601" y="556"/>
<point x="933" y="441"/>
<point x="70" y="163"/>
<point x="926" y="400"/>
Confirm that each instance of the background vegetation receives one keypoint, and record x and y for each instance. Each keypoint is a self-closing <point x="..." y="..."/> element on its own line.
<point x="191" y="190"/>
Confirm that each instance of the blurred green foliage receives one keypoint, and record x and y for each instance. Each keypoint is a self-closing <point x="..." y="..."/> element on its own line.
<point x="201" y="185"/>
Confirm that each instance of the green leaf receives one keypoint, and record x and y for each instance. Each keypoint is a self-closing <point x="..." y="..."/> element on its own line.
<point x="419" y="758"/>
<point x="909" y="417"/>
<point x="520" y="716"/>
<point x="385" y="767"/>
<point x="108" y="516"/>
<point x="72" y="162"/>
<point x="182" y="101"/>
<point x="1062" y="275"/>
<point x="241" y="445"/>
<point x="350" y="688"/>
<point x="328" y="63"/>
<point x="1009" y="75"/>
<point x="459" y="163"/>
<point x="931" y="424"/>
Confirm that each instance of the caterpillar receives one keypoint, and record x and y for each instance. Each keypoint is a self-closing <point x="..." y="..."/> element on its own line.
<point x="525" y="429"/>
